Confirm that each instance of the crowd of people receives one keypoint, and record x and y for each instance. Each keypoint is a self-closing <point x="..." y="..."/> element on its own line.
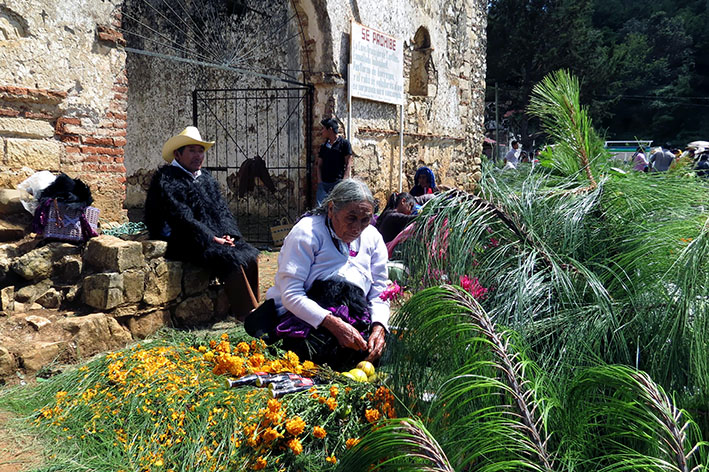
<point x="662" y="159"/>
<point x="659" y="159"/>
<point x="325" y="303"/>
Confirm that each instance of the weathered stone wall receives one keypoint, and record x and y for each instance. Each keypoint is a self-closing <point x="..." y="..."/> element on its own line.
<point x="71" y="101"/>
<point x="63" y="95"/>
<point x="161" y="105"/>
<point x="443" y="128"/>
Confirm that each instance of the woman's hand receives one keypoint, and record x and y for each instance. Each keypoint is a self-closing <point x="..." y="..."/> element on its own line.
<point x="345" y="333"/>
<point x="376" y="342"/>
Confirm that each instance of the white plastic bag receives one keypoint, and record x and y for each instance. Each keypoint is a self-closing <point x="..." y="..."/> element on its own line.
<point x="33" y="185"/>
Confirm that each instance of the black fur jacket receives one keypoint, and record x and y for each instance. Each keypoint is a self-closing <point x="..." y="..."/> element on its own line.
<point x="188" y="213"/>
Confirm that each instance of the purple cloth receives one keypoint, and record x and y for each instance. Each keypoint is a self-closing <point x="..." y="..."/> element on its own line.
<point x="41" y="218"/>
<point x="294" y="327"/>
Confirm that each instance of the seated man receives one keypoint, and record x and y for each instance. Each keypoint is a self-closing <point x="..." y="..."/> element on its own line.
<point x="184" y="206"/>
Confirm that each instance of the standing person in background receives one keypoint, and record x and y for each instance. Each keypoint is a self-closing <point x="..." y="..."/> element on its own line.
<point x="512" y="156"/>
<point x="334" y="160"/>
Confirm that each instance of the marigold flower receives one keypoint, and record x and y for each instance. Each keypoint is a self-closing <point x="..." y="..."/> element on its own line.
<point x="243" y="348"/>
<point x="257" y="360"/>
<point x="331" y="403"/>
<point x="308" y="365"/>
<point x="351" y="442"/>
<point x="260" y="463"/>
<point x="295" y="446"/>
<point x="270" y="435"/>
<point x="292" y="358"/>
<point x="295" y="426"/>
<point x="319" y="432"/>
<point x="372" y="415"/>
<point x="334" y="391"/>
<point x="332" y="459"/>
<point x="273" y="404"/>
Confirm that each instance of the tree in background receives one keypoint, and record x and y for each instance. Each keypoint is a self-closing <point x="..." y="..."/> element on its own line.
<point x="641" y="64"/>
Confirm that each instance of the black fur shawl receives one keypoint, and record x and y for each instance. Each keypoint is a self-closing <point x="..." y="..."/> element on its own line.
<point x="194" y="211"/>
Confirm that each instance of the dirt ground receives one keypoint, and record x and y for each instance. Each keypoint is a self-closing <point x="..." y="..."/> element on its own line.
<point x="20" y="451"/>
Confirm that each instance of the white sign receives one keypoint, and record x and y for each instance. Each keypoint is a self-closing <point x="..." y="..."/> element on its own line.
<point x="377" y="65"/>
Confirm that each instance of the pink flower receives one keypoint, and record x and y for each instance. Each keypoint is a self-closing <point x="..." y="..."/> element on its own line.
<point x="494" y="242"/>
<point x="392" y="292"/>
<point x="473" y="286"/>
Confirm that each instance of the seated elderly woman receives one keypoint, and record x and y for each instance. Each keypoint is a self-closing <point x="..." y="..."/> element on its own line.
<point x="325" y="303"/>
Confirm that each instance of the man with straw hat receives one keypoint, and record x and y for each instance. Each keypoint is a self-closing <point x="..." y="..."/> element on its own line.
<point x="184" y="206"/>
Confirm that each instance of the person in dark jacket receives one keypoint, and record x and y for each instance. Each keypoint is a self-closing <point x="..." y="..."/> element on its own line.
<point x="184" y="206"/>
<point x="424" y="182"/>
<point x="396" y="216"/>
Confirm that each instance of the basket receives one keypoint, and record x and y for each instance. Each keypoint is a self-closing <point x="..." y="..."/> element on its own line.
<point x="279" y="232"/>
<point x="65" y="224"/>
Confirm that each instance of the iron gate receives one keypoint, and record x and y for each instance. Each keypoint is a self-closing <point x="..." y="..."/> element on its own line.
<point x="268" y="124"/>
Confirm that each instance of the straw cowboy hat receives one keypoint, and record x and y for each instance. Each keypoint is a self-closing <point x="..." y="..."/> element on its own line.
<point x="189" y="135"/>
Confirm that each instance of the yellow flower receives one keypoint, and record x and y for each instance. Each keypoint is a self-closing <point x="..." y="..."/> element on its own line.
<point x="295" y="426"/>
<point x="319" y="432"/>
<point x="274" y="405"/>
<point x="243" y="348"/>
<point x="256" y="360"/>
<point x="308" y="365"/>
<point x="351" y="442"/>
<point x="202" y="349"/>
<point x="332" y="459"/>
<point x="334" y="391"/>
<point x="260" y="463"/>
<point x="372" y="415"/>
<point x="271" y="434"/>
<point x="331" y="403"/>
<point x="295" y="446"/>
<point x="292" y="358"/>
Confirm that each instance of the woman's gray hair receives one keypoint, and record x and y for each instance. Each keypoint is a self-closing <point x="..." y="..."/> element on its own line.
<point x="346" y="191"/>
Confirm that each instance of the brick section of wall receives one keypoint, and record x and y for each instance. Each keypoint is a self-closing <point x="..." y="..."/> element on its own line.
<point x="95" y="152"/>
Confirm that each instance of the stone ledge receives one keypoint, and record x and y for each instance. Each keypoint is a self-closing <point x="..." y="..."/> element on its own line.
<point x="73" y="308"/>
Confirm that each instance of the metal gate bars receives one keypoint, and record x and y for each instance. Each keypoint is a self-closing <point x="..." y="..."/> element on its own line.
<point x="263" y="154"/>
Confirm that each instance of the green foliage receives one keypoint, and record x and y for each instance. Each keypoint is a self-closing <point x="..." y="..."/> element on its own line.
<point x="643" y="64"/>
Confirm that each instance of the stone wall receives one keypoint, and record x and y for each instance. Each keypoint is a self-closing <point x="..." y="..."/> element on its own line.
<point x="443" y="126"/>
<point x="63" y="95"/>
<point x="62" y="301"/>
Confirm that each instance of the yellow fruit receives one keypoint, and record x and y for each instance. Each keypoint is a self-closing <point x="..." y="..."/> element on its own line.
<point x="359" y="375"/>
<point x="366" y="367"/>
<point x="348" y="375"/>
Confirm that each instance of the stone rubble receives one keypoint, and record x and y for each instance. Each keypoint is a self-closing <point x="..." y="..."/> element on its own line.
<point x="64" y="301"/>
